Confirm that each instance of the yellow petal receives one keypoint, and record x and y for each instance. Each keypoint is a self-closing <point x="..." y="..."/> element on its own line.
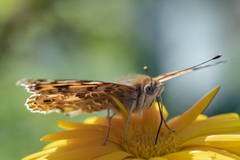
<point x="200" y="153"/>
<point x="218" y="141"/>
<point x="77" y="125"/>
<point x="89" y="144"/>
<point x="66" y="142"/>
<point x="181" y="155"/>
<point x="119" y="155"/>
<point x="201" y="117"/>
<point x="55" y="144"/>
<point x="79" y="143"/>
<point x="96" y="120"/>
<point x="136" y="120"/>
<point x="80" y="133"/>
<point x="221" y="124"/>
<point x="151" y="117"/>
<point x="165" y="112"/>
<point x="180" y="122"/>
<point x="235" y="150"/>
<point x="115" y="121"/>
<point x="39" y="154"/>
<point x="230" y="143"/>
<point x="134" y="159"/>
<point x="83" y="153"/>
<point x="158" y="158"/>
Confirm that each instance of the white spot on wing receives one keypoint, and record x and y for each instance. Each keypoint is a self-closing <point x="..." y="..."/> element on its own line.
<point x="46" y="82"/>
<point x="74" y="113"/>
<point x="93" y="82"/>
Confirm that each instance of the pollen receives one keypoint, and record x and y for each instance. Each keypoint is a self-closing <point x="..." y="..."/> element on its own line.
<point x="142" y="144"/>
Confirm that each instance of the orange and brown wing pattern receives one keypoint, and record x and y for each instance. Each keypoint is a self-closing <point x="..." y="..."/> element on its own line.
<point x="73" y="97"/>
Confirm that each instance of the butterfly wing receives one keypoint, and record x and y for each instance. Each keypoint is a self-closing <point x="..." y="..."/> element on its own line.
<point x="73" y="97"/>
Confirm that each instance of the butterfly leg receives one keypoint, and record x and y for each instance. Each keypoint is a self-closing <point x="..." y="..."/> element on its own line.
<point x="160" y="104"/>
<point x="128" y="120"/>
<point x="163" y="117"/>
<point x="108" y="129"/>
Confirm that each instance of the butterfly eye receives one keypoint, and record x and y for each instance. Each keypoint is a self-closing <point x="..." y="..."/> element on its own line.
<point x="148" y="89"/>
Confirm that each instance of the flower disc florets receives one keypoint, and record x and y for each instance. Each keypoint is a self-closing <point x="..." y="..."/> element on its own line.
<point x="142" y="144"/>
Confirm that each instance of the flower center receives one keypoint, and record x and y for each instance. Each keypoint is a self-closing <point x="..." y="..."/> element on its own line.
<point x="142" y="144"/>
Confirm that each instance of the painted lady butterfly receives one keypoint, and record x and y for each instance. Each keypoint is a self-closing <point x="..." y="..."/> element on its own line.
<point x="73" y="97"/>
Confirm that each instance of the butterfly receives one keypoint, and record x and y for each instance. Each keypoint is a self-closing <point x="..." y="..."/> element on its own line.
<point x="73" y="97"/>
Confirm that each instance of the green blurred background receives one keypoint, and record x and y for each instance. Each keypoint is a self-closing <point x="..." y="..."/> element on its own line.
<point x="105" y="40"/>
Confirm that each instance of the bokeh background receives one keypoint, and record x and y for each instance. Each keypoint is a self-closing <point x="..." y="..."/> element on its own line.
<point x="105" y="40"/>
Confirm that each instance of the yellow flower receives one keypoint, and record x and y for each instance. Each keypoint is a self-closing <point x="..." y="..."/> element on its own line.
<point x="197" y="137"/>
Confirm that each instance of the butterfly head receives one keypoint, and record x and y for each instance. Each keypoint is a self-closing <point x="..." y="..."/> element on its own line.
<point x="151" y="89"/>
<point x="155" y="87"/>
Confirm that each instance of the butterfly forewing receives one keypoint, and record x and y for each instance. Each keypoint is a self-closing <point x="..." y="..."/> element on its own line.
<point x="73" y="97"/>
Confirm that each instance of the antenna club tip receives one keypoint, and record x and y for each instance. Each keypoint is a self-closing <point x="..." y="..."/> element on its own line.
<point x="145" y="68"/>
<point x="218" y="56"/>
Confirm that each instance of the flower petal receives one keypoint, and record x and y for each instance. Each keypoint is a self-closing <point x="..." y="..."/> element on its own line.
<point x="77" y="125"/>
<point x="88" y="144"/>
<point x="119" y="155"/>
<point x="180" y="122"/>
<point x="201" y="117"/>
<point x="136" y="120"/>
<point x="201" y="153"/>
<point x="134" y="159"/>
<point x="81" y="133"/>
<point x="230" y="143"/>
<point x="224" y="140"/>
<point x="39" y="154"/>
<point x="235" y="150"/>
<point x="158" y="158"/>
<point x="117" y="122"/>
<point x="83" y="153"/>
<point x="221" y="124"/>
<point x="96" y="120"/>
<point x="66" y="142"/>
<point x="151" y="117"/>
<point x="80" y="143"/>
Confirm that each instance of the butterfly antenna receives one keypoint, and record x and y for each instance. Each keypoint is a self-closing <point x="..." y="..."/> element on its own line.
<point x="193" y="68"/>
<point x="216" y="57"/>
<point x="146" y="69"/>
